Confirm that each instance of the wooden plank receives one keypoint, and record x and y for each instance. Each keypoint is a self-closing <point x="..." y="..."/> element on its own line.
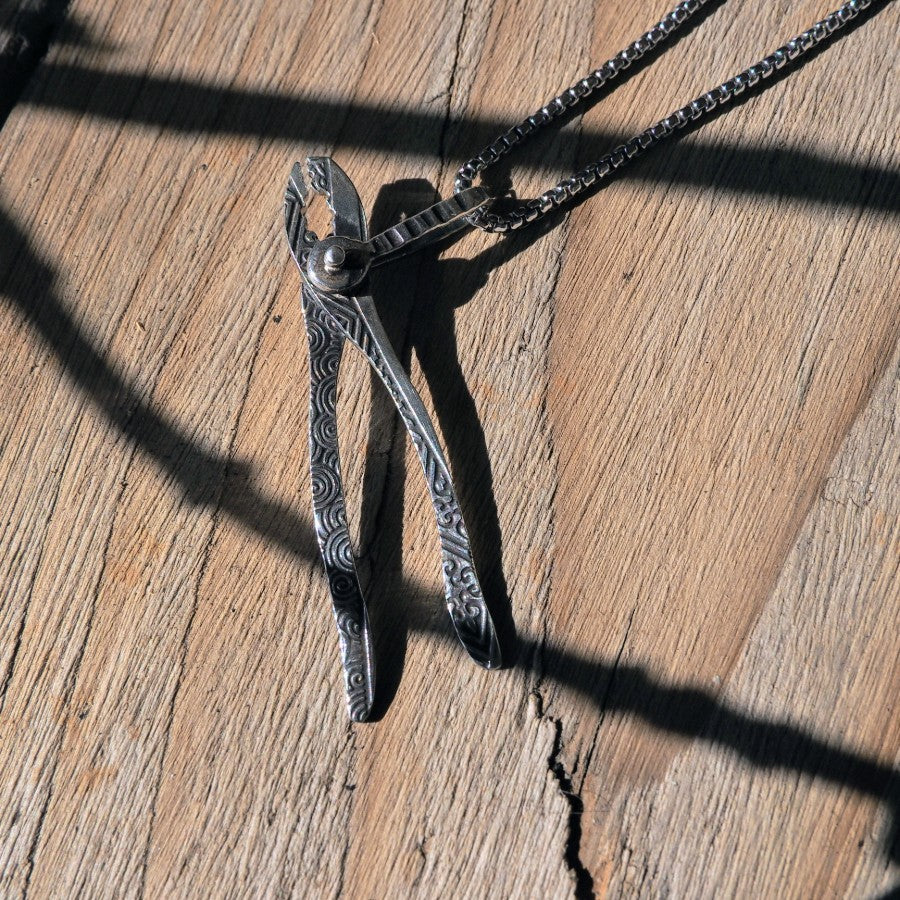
<point x="673" y="420"/>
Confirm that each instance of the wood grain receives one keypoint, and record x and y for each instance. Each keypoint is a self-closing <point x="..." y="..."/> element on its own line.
<point x="672" y="418"/>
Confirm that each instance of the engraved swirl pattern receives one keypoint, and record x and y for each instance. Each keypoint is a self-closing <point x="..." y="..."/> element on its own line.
<point x="332" y="534"/>
<point x="465" y="601"/>
<point x="330" y="319"/>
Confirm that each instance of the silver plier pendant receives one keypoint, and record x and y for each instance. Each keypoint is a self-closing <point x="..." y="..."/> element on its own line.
<point x="337" y="307"/>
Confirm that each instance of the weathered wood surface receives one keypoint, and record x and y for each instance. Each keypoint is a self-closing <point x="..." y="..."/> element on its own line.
<point x="673" y="420"/>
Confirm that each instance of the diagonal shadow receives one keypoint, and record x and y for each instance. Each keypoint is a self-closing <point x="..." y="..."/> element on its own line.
<point x="197" y="107"/>
<point x="29" y="283"/>
<point x="425" y="324"/>
<point x="27" y="28"/>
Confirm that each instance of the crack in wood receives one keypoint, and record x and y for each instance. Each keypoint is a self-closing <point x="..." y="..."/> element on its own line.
<point x="350" y="748"/>
<point x="583" y="879"/>
<point x="604" y="702"/>
<point x="457" y="50"/>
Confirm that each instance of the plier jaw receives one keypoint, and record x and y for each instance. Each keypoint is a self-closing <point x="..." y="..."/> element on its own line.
<point x="300" y="239"/>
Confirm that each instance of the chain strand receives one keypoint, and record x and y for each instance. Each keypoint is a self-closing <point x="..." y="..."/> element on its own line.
<point x="621" y="155"/>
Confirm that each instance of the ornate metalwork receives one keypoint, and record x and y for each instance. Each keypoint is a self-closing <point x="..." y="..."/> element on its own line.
<point x="358" y="321"/>
<point x="332" y="317"/>
<point x="337" y="308"/>
<point x="330" y="513"/>
<point x="427" y="226"/>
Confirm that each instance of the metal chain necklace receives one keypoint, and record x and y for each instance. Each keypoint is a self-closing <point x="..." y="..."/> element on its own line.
<point x="337" y="308"/>
<point x="570" y="99"/>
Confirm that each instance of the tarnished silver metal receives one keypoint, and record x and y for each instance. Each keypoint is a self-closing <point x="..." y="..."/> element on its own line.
<point x="333" y="316"/>
<point x="326" y="345"/>
<point x="429" y="226"/>
<point x="329" y="511"/>
<point x="338" y="263"/>
<point x="569" y="100"/>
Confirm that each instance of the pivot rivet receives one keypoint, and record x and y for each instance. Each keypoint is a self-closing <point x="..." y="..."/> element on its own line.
<point x="333" y="258"/>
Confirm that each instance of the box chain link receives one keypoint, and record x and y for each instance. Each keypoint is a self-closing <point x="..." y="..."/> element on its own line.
<point x="566" y="102"/>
